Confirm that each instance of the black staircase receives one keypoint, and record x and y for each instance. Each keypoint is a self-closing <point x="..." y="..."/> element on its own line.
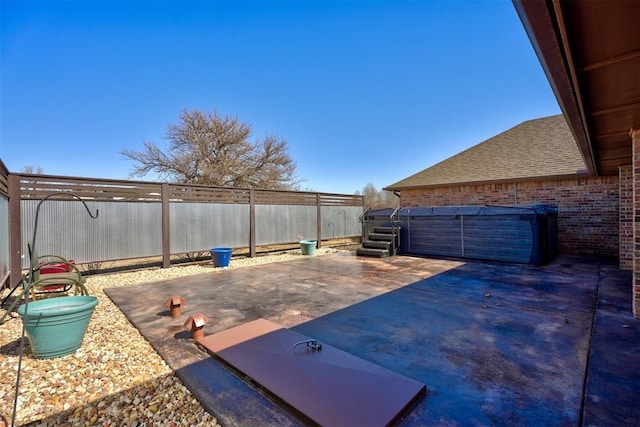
<point x="380" y="240"/>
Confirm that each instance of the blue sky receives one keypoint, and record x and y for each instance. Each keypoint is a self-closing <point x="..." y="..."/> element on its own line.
<point x="363" y="91"/>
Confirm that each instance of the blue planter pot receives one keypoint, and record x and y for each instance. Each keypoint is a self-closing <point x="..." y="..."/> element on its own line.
<point x="221" y="256"/>
<point x="308" y="247"/>
<point x="56" y="326"/>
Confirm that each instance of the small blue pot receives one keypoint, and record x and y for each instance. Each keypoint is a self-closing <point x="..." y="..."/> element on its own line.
<point x="221" y="256"/>
<point x="56" y="326"/>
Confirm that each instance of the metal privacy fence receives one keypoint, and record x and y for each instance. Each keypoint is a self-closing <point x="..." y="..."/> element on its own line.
<point x="4" y="221"/>
<point x="142" y="219"/>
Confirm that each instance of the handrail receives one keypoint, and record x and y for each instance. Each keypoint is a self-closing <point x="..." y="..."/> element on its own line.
<point x="394" y="213"/>
<point x="365" y="231"/>
<point x="395" y="230"/>
<point x="363" y="214"/>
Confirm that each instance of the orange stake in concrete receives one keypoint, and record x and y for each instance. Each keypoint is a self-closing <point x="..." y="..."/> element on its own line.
<point x="196" y="324"/>
<point x="175" y="304"/>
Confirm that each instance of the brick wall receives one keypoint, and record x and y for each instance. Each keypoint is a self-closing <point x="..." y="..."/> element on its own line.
<point x="635" y="151"/>
<point x="588" y="207"/>
<point x="626" y="218"/>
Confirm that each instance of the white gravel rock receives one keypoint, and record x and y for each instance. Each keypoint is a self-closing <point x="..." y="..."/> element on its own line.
<point x="116" y="378"/>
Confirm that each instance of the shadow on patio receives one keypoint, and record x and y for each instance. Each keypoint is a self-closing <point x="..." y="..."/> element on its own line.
<point x="495" y="344"/>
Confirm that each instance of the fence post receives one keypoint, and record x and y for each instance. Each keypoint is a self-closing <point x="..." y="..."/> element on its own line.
<point x="166" y="228"/>
<point x="15" y="229"/>
<point x="319" y="219"/>
<point x="252" y="223"/>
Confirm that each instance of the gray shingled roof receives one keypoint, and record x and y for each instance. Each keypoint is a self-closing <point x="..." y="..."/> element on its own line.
<point x="540" y="148"/>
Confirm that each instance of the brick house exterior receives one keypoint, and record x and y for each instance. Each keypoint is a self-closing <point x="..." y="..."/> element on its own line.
<point x="634" y="223"/>
<point x="587" y="207"/>
<point x="536" y="162"/>
<point x="625" y="231"/>
<point x="589" y="53"/>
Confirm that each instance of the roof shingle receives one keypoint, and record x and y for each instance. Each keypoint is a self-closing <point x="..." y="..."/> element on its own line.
<point x="539" y="148"/>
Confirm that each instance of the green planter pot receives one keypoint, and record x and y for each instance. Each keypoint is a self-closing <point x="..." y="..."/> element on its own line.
<point x="56" y="326"/>
<point x="308" y="247"/>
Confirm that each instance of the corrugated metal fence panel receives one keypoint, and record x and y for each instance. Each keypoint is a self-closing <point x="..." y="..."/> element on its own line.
<point x="4" y="236"/>
<point x="130" y="221"/>
<point x="201" y="226"/>
<point x="122" y="230"/>
<point x="341" y="221"/>
<point x="283" y="223"/>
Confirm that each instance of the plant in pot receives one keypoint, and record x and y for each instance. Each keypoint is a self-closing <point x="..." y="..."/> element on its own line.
<point x="308" y="247"/>
<point x="56" y="326"/>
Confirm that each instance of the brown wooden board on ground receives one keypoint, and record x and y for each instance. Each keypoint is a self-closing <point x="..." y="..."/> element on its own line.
<point x="327" y="385"/>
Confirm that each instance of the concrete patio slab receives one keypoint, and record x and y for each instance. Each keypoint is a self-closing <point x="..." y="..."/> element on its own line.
<point x="495" y="344"/>
<point x="612" y="386"/>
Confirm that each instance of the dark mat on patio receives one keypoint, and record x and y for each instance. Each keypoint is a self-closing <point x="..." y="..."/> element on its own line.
<point x="326" y="385"/>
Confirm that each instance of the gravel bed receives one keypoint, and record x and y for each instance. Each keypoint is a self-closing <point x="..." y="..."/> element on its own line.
<point x="116" y="378"/>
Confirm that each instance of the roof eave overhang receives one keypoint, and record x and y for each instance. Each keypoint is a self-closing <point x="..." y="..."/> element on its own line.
<point x="542" y="20"/>
<point x="488" y="182"/>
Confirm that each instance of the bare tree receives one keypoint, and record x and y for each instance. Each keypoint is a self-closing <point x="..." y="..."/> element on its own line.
<point x="378" y="199"/>
<point x="33" y="170"/>
<point x="390" y="199"/>
<point x="31" y="184"/>
<point x="211" y="149"/>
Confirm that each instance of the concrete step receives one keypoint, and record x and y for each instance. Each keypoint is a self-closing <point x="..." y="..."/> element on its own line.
<point x="385" y="230"/>
<point x="381" y="236"/>
<point x="376" y="244"/>
<point x="381" y="253"/>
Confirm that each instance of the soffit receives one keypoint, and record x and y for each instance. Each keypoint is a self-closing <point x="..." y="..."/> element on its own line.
<point x="590" y="51"/>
